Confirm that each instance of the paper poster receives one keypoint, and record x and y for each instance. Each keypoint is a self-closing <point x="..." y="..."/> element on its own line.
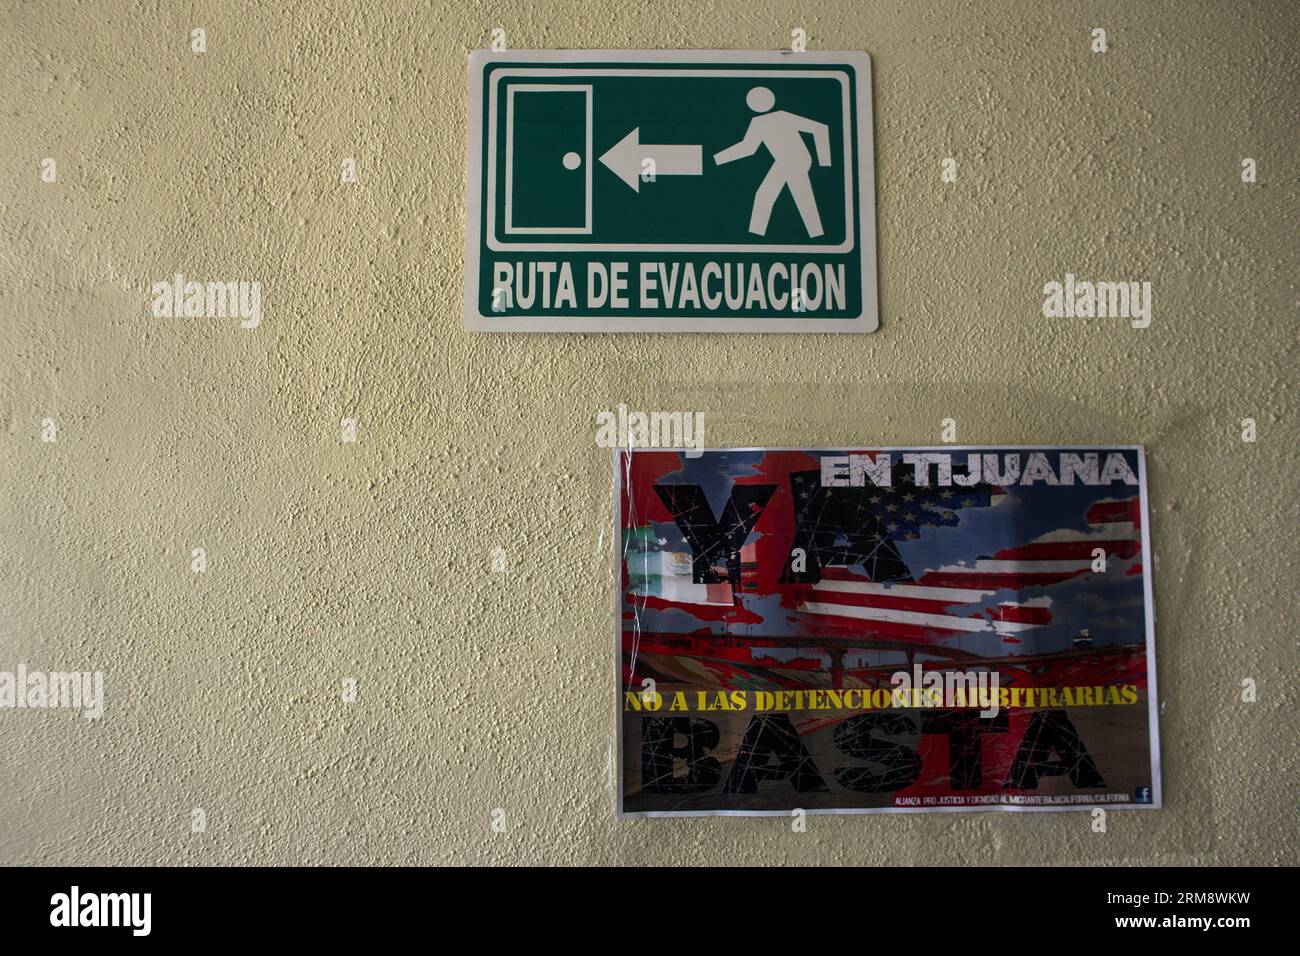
<point x="885" y="630"/>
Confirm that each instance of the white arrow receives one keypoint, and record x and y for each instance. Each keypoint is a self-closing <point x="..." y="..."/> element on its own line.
<point x="625" y="159"/>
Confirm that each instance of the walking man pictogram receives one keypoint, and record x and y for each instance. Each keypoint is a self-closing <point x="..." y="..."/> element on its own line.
<point x="781" y="133"/>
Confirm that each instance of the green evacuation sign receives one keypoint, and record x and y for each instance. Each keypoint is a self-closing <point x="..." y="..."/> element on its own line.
<point x="705" y="191"/>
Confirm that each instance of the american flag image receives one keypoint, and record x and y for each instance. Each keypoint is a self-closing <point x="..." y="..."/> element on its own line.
<point x="954" y="599"/>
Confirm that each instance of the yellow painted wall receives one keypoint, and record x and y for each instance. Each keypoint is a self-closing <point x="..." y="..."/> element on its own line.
<point x="371" y="560"/>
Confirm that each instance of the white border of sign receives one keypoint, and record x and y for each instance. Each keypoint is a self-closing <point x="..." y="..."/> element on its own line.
<point x="1149" y="610"/>
<point x="475" y="321"/>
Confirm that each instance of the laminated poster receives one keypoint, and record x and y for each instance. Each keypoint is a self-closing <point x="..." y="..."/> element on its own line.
<point x="885" y="630"/>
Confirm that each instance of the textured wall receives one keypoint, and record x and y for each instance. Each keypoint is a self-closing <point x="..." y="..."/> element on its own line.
<point x="478" y="690"/>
